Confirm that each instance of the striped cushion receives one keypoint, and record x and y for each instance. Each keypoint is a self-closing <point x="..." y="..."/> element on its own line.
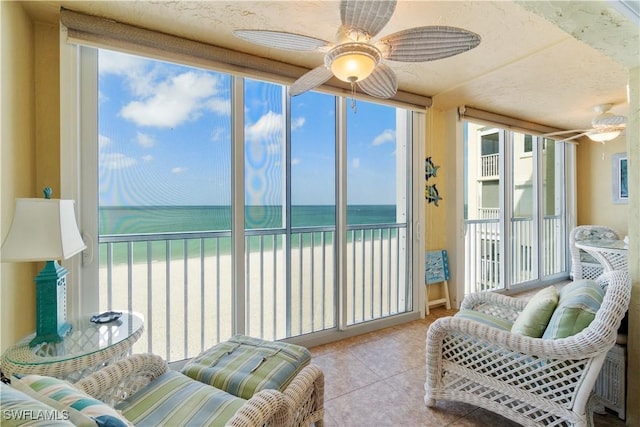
<point x="82" y="408"/>
<point x="173" y="399"/>
<point x="576" y="309"/>
<point x="244" y="365"/>
<point x="20" y="409"/>
<point x="487" y="319"/>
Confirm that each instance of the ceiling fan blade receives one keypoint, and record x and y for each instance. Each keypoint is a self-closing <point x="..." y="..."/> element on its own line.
<point x="281" y="40"/>
<point x="382" y="83"/>
<point x="367" y="16"/>
<point x="310" y="80"/>
<point x="562" y="132"/>
<point x="421" y="44"/>
<point x="609" y="120"/>
<point x="573" y="137"/>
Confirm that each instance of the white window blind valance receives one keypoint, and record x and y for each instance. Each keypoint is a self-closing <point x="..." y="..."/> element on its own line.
<point x="109" y="34"/>
<point x="505" y="122"/>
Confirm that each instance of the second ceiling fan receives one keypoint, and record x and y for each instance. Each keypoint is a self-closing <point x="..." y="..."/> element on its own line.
<point x="355" y="59"/>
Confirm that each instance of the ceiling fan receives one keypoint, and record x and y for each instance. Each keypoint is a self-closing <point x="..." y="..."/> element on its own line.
<point x="356" y="59"/>
<point x="605" y="126"/>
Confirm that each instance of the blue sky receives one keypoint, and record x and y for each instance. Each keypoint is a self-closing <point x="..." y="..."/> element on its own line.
<point x="165" y="139"/>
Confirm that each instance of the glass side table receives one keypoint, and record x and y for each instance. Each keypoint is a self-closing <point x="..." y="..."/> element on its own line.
<point x="88" y="347"/>
<point x="612" y="254"/>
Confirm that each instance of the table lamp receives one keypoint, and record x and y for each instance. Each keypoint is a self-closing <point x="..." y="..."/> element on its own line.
<point x="45" y="230"/>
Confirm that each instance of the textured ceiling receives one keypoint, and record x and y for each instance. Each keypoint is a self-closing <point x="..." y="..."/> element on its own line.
<point x="547" y="62"/>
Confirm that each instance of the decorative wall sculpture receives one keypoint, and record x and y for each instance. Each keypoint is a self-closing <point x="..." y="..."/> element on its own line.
<point x="431" y="191"/>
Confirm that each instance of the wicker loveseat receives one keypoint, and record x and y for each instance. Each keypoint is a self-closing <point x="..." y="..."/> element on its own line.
<point x="533" y="381"/>
<point x="141" y="390"/>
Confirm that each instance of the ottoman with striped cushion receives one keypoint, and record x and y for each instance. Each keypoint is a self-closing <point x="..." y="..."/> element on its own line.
<point x="245" y="365"/>
<point x="173" y="399"/>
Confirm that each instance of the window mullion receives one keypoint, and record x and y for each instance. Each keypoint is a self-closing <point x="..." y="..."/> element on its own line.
<point x="341" y="210"/>
<point x="238" y="205"/>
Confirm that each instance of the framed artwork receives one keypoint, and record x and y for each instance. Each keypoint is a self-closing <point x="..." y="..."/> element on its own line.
<point x="620" y="178"/>
<point x="436" y="267"/>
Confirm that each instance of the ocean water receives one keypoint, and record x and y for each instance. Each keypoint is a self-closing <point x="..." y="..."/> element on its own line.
<point x="164" y="219"/>
<point x="181" y="219"/>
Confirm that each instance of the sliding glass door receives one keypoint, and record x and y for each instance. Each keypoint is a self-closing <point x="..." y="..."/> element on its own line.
<point x="515" y="209"/>
<point x="178" y="165"/>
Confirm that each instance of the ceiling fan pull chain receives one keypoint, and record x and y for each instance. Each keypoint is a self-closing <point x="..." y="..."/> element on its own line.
<point x="353" y="98"/>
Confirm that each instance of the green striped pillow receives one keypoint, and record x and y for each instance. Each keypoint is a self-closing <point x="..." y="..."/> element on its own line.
<point x="533" y="320"/>
<point x="174" y="399"/>
<point x="244" y="365"/>
<point x="82" y="408"/>
<point x="487" y="319"/>
<point x="21" y="409"/>
<point x="576" y="309"/>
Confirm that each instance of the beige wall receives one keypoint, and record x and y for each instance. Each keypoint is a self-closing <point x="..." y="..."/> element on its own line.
<point x="30" y="155"/>
<point x="633" y="348"/>
<point x="18" y="163"/>
<point x="594" y="178"/>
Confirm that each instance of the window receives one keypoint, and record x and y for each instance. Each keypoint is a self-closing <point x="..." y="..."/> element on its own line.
<point x="170" y="163"/>
<point x="515" y="199"/>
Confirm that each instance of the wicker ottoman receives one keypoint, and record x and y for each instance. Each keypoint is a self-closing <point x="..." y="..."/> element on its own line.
<point x="244" y="365"/>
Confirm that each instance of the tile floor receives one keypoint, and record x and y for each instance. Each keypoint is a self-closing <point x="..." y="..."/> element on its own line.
<point x="377" y="379"/>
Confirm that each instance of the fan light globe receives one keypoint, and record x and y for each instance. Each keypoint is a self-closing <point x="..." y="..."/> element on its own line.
<point x="353" y="62"/>
<point x="603" y="136"/>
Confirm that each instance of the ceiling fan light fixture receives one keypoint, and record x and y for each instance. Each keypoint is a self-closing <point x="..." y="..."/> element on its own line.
<point x="352" y="62"/>
<point x="603" y="136"/>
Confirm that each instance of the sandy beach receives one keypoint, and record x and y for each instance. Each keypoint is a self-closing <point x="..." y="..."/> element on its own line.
<point x="188" y="304"/>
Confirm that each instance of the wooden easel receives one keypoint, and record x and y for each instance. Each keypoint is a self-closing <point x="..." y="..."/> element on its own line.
<point x="437" y="271"/>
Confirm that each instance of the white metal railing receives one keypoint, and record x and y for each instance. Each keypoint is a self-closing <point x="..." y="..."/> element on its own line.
<point x="488" y="213"/>
<point x="182" y="283"/>
<point x="483" y="252"/>
<point x="490" y="165"/>
<point x="482" y="255"/>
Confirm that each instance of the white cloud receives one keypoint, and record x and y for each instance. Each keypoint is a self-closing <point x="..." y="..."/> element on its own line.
<point x="297" y="123"/>
<point x="267" y="127"/>
<point x="145" y="140"/>
<point x="120" y="63"/>
<point x="355" y="163"/>
<point x="178" y="170"/>
<point x="112" y="161"/>
<point x="147" y="158"/>
<point x="388" y="135"/>
<point x="218" y="134"/>
<point x="103" y="141"/>
<point x="295" y="161"/>
<point x="220" y="106"/>
<point x="174" y="101"/>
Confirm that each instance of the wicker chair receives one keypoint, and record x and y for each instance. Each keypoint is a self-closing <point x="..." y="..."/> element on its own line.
<point x="532" y="381"/>
<point x="583" y="265"/>
<point x="300" y="404"/>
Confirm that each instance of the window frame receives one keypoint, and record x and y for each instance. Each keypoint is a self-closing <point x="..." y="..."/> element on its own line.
<point x="79" y="147"/>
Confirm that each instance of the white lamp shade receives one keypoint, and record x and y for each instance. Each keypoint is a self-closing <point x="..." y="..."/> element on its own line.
<point x="42" y="230"/>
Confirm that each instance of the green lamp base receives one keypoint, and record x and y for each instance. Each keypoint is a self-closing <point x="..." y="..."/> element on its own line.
<point x="51" y="304"/>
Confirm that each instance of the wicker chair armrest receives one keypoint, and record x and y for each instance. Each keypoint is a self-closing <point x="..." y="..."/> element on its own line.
<point x="304" y="397"/>
<point x="575" y="347"/>
<point x="495" y="304"/>
<point x="267" y="407"/>
<point x="596" y="339"/>
<point x="114" y="383"/>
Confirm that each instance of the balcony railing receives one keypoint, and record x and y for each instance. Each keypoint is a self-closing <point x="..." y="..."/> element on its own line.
<point x="182" y="283"/>
<point x="483" y="252"/>
<point x="490" y="165"/>
<point x="489" y="213"/>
